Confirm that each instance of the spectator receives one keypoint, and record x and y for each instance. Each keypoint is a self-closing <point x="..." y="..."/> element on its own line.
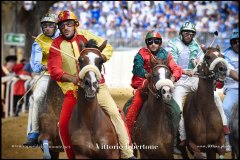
<point x="7" y="75"/>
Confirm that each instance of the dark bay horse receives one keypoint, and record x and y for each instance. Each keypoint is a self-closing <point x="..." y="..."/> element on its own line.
<point x="203" y="123"/>
<point x="48" y="121"/>
<point x="153" y="130"/>
<point x="234" y="130"/>
<point x="90" y="128"/>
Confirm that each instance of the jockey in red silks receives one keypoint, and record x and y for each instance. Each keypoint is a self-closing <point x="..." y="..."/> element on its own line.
<point x="63" y="69"/>
<point x="141" y="69"/>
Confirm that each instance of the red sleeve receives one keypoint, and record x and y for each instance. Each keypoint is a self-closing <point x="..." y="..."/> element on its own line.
<point x="55" y="62"/>
<point x="175" y="69"/>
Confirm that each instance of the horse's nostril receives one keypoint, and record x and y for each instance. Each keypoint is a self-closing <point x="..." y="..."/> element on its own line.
<point x="87" y="83"/>
<point x="221" y="69"/>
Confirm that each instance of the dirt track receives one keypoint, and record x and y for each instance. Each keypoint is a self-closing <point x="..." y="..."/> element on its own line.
<point x="14" y="132"/>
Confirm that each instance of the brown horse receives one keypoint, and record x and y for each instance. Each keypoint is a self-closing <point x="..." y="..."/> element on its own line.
<point x="153" y="130"/>
<point x="90" y="128"/>
<point x="203" y="123"/>
<point x="48" y="121"/>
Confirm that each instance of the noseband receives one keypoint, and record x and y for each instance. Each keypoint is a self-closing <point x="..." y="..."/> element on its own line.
<point x="156" y="93"/>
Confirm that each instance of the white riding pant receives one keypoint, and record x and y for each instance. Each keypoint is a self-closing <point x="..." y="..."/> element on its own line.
<point x="182" y="88"/>
<point x="35" y="102"/>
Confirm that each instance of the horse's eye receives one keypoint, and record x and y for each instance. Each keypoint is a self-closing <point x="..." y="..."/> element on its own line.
<point x="207" y="57"/>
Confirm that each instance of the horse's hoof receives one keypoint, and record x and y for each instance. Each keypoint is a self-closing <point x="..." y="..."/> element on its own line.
<point x="46" y="156"/>
<point x="221" y="157"/>
<point x="199" y="156"/>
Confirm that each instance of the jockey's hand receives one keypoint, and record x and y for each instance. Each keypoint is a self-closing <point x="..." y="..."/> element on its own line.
<point x="173" y="79"/>
<point x="147" y="75"/>
<point x="44" y="68"/>
<point x="188" y="73"/>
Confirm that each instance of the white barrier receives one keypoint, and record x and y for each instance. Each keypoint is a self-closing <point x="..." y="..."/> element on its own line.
<point x="118" y="70"/>
<point x="9" y="99"/>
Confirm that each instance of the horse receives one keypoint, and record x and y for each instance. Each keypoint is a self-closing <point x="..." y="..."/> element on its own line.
<point x="234" y="132"/>
<point x="90" y="128"/>
<point x="203" y="123"/>
<point x="48" y="121"/>
<point x="153" y="130"/>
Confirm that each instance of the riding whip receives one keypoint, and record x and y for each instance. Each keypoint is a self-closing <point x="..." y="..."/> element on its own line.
<point x="194" y="69"/>
<point x="18" y="102"/>
<point x="55" y="48"/>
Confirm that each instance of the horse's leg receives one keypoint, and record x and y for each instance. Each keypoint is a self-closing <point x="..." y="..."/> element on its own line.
<point x="221" y="150"/>
<point x="184" y="153"/>
<point x="233" y="155"/>
<point x="197" y="152"/>
<point x="54" y="155"/>
<point x="211" y="154"/>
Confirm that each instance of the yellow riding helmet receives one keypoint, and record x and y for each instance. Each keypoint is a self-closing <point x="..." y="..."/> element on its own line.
<point x="49" y="18"/>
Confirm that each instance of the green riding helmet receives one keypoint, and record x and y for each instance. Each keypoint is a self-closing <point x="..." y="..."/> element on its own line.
<point x="153" y="34"/>
<point x="49" y="18"/>
<point x="187" y="26"/>
<point x="235" y="34"/>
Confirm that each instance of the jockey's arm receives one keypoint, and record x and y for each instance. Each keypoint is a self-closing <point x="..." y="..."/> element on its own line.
<point x="69" y="78"/>
<point x="175" y="69"/>
<point x="36" y="58"/>
<point x="138" y="67"/>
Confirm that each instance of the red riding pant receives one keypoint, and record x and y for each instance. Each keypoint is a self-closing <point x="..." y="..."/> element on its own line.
<point x="67" y="108"/>
<point x="134" y="110"/>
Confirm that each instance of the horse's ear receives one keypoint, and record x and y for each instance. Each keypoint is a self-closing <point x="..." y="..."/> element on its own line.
<point x="218" y="48"/>
<point x="81" y="45"/>
<point x="104" y="44"/>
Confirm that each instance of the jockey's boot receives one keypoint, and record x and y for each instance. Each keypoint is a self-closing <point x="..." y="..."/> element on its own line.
<point x="228" y="146"/>
<point x="175" y="149"/>
<point x="226" y="130"/>
<point x="133" y="110"/>
<point x="31" y="142"/>
<point x="175" y="115"/>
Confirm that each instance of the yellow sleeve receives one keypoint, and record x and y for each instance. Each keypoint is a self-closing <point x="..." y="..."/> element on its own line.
<point x="107" y="51"/>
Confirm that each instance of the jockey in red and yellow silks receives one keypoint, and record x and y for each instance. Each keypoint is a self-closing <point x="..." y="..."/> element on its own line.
<point x="141" y="69"/>
<point x="62" y="68"/>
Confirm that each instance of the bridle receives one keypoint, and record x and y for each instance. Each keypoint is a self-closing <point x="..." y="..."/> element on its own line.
<point x="156" y="93"/>
<point x="211" y="66"/>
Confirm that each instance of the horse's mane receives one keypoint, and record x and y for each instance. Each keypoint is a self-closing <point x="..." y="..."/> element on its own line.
<point x="91" y="44"/>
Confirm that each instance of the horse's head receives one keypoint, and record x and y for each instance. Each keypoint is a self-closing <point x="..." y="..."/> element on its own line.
<point x="214" y="65"/>
<point x="159" y="81"/>
<point x="90" y="64"/>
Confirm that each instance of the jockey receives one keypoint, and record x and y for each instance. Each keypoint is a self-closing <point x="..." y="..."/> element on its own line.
<point x="186" y="53"/>
<point x="63" y="69"/>
<point x="141" y="70"/>
<point x="38" y="62"/>
<point x="231" y="84"/>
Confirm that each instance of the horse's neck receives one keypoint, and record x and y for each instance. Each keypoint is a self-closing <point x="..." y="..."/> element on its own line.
<point x="86" y="109"/>
<point x="205" y="91"/>
<point x="154" y="105"/>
